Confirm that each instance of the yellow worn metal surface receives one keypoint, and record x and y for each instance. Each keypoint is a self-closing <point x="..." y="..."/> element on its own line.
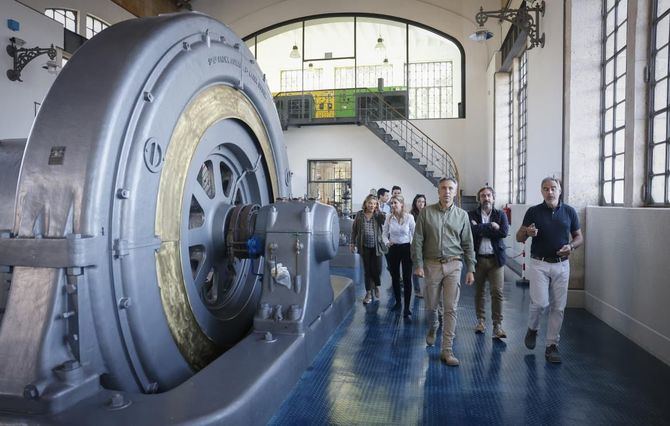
<point x="214" y="104"/>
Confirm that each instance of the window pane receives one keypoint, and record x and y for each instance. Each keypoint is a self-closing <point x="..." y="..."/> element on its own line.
<point x="607" y="169"/>
<point x="661" y="63"/>
<point x="662" y="31"/>
<point x="620" y="89"/>
<point x="609" y="96"/>
<point x="434" y="63"/>
<point x="658" y="155"/>
<point x="621" y="37"/>
<point x="620" y="112"/>
<point x="607" y="192"/>
<point x="620" y="141"/>
<point x="620" y="63"/>
<point x="607" y="144"/>
<point x="618" y="192"/>
<point x="622" y="8"/>
<point x="659" y="129"/>
<point x="609" y="118"/>
<point x="609" y="46"/>
<point x="273" y="50"/>
<point x="619" y="166"/>
<point x="661" y="94"/>
<point x="658" y="189"/>
<point x="329" y="38"/>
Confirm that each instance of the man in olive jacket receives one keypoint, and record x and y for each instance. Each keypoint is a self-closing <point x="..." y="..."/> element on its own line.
<point x="442" y="242"/>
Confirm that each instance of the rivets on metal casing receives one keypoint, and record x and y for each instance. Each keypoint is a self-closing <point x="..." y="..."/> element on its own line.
<point x="31" y="392"/>
<point x="123" y="193"/>
<point x="125" y="303"/>
<point x="118" y="401"/>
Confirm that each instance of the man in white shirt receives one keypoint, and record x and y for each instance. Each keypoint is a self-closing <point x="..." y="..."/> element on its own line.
<point x="489" y="228"/>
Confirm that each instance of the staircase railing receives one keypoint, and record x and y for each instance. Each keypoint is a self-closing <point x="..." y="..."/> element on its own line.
<point x="374" y="109"/>
<point x="367" y="107"/>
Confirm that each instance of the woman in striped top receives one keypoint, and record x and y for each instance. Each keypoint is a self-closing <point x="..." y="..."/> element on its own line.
<point x="366" y="238"/>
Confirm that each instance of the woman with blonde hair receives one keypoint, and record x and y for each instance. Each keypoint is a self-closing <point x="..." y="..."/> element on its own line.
<point x="366" y="237"/>
<point x="398" y="231"/>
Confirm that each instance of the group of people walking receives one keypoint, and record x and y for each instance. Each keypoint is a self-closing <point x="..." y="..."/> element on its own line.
<point x="436" y="242"/>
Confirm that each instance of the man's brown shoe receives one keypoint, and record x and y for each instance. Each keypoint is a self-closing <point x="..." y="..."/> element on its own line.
<point x="498" y="332"/>
<point x="480" y="327"/>
<point x="447" y="356"/>
<point x="430" y="337"/>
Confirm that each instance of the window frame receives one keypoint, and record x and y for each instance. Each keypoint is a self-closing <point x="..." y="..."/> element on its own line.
<point x="461" y="109"/>
<point x="652" y="113"/>
<point x="346" y="182"/>
<point x="522" y="129"/>
<point x="608" y="115"/>
<point x="63" y="11"/>
<point x="94" y="19"/>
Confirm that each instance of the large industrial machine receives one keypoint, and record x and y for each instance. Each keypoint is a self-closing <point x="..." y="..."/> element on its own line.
<point x="160" y="272"/>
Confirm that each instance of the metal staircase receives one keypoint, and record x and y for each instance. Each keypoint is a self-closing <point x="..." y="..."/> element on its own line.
<point x="388" y="122"/>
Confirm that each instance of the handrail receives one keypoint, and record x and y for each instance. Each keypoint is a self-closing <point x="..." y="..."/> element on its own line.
<point x="449" y="163"/>
<point x="381" y="98"/>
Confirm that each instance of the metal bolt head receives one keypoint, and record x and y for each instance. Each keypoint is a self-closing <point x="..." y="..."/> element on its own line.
<point x="31" y="392"/>
<point x="117" y="401"/>
<point x="125" y="303"/>
<point x="122" y="193"/>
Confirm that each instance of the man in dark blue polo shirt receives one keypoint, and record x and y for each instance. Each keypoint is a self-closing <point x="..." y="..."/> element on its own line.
<point x="554" y="227"/>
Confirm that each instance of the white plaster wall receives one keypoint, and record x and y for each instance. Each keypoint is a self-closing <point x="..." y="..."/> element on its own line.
<point x="545" y="104"/>
<point x="467" y="140"/>
<point x="17" y="99"/>
<point x="106" y="10"/>
<point x="374" y="165"/>
<point x="627" y="273"/>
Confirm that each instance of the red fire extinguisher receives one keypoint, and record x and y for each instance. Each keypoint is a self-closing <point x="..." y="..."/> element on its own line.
<point x="508" y="211"/>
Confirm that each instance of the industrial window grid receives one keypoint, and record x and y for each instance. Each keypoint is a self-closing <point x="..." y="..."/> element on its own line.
<point x="658" y="144"/>
<point x="613" y="102"/>
<point x="328" y="182"/>
<point x="522" y="141"/>
<point x="65" y="16"/>
<point x="366" y="76"/>
<point x="430" y="89"/>
<point x="298" y="80"/>
<point x="510" y="137"/>
<point x="94" y="26"/>
<point x="433" y="102"/>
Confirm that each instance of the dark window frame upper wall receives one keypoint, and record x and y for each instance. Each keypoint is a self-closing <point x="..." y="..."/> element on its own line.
<point x="460" y="115"/>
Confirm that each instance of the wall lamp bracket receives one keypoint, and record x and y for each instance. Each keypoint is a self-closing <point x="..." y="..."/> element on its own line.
<point x="522" y="18"/>
<point x="22" y="56"/>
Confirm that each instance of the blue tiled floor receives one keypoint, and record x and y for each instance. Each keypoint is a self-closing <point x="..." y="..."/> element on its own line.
<point x="376" y="369"/>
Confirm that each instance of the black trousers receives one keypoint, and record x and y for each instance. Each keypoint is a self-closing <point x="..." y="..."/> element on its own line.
<point x="372" y="268"/>
<point x="399" y="255"/>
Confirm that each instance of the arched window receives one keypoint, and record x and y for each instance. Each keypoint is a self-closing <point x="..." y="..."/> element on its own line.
<point x="333" y="55"/>
<point x="65" y="16"/>
<point x="94" y="26"/>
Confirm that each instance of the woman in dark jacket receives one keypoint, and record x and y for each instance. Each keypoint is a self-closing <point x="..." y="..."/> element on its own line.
<point x="366" y="237"/>
<point x="418" y="204"/>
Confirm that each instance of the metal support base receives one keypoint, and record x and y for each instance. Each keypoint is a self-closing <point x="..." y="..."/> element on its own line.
<point x="246" y="385"/>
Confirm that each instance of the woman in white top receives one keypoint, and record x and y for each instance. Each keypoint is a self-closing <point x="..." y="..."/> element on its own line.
<point x="397" y="234"/>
